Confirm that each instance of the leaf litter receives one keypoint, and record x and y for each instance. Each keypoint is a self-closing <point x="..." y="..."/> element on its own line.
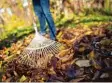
<point x="86" y="57"/>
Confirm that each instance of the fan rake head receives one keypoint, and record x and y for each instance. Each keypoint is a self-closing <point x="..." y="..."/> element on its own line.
<point x="39" y="52"/>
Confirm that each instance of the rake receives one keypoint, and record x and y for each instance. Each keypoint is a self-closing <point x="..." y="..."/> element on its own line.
<point x="39" y="52"/>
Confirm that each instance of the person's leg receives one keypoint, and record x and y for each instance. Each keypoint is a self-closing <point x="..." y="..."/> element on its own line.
<point x="46" y="9"/>
<point x="39" y="12"/>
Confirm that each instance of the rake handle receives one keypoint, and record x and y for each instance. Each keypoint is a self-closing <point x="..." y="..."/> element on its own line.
<point x="35" y="28"/>
<point x="36" y="31"/>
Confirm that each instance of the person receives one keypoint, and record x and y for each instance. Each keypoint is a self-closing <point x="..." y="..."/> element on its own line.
<point x="42" y="10"/>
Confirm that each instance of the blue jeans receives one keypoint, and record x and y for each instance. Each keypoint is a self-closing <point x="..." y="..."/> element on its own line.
<point x="42" y="10"/>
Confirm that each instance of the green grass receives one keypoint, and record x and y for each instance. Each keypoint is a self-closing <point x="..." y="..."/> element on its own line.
<point x="83" y="19"/>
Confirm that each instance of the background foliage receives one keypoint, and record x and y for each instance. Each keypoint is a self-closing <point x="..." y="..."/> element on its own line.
<point x="16" y="15"/>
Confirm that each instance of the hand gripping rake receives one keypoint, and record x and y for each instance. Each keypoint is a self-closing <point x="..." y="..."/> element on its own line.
<point x="38" y="53"/>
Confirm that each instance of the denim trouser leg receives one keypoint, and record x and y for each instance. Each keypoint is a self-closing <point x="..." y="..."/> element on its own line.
<point x="39" y="12"/>
<point x="46" y="9"/>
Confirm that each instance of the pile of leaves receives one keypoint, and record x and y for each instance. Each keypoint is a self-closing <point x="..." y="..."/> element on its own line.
<point x="87" y="57"/>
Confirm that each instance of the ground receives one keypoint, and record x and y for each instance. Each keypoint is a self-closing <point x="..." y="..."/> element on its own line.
<point x="86" y="56"/>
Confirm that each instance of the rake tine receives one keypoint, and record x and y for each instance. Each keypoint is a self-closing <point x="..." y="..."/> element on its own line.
<point x="27" y="59"/>
<point x="32" y="55"/>
<point x="45" y="51"/>
<point x="22" y="57"/>
<point x="39" y="52"/>
<point x="46" y="57"/>
<point x="53" y="50"/>
<point x="23" y="53"/>
<point x="24" y="60"/>
<point x="30" y="60"/>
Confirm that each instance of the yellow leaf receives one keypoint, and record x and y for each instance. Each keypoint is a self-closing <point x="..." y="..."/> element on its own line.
<point x="105" y="42"/>
<point x="43" y="79"/>
<point x="88" y="33"/>
<point x="0" y="64"/>
<point x="59" y="35"/>
<point x="63" y="53"/>
<point x="81" y="49"/>
<point x="62" y="47"/>
<point x="23" y="78"/>
<point x="92" y="54"/>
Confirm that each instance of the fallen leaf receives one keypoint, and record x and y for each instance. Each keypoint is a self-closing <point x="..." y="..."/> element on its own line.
<point x="77" y="80"/>
<point x="83" y="63"/>
<point x="22" y="79"/>
<point x="3" y="78"/>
